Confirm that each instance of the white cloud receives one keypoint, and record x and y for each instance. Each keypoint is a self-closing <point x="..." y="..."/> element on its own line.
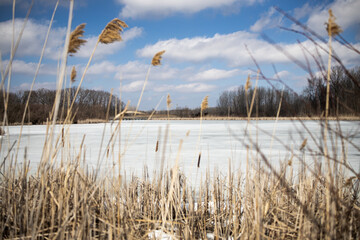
<point x="345" y="11"/>
<point x="282" y="74"/>
<point x="148" y="8"/>
<point x="231" y="48"/>
<point x="34" y="34"/>
<point x="46" y="85"/>
<point x="195" y="87"/>
<point x="186" y="88"/>
<point x="102" y="68"/>
<point x="133" y="86"/>
<point x="32" y="39"/>
<point x="28" y="68"/>
<point x="303" y="11"/>
<point x="108" y="49"/>
<point x="269" y="20"/>
<point x="214" y="74"/>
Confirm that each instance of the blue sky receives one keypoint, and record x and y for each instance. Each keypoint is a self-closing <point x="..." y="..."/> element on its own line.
<point x="204" y="42"/>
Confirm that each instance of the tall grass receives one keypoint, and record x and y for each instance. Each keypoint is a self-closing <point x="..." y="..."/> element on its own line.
<point x="66" y="200"/>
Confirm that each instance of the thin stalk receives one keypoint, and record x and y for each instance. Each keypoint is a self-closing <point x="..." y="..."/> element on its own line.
<point x="35" y="76"/>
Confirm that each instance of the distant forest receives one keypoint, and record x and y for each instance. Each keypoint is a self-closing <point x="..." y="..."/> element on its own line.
<point x="93" y="104"/>
<point x="344" y="99"/>
<point x="89" y="104"/>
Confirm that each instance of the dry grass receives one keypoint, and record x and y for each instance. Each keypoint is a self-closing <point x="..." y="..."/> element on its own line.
<point x="69" y="202"/>
<point x="66" y="200"/>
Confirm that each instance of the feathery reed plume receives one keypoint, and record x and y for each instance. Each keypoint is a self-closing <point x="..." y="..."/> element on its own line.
<point x="168" y="101"/>
<point x="155" y="62"/>
<point x="248" y="83"/>
<point x="157" y="58"/>
<point x="204" y="103"/>
<point x="75" y="41"/>
<point x="73" y="74"/>
<point x="331" y="27"/>
<point x="303" y="144"/>
<point x="112" y="31"/>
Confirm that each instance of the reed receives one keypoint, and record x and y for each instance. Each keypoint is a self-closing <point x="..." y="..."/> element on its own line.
<point x="67" y="200"/>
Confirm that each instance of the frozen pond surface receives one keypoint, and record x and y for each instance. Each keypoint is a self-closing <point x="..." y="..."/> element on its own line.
<point x="221" y="143"/>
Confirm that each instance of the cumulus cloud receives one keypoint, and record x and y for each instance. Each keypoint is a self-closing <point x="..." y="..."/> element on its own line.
<point x="34" y="36"/>
<point x="214" y="74"/>
<point x="108" y="49"/>
<point x="161" y="8"/>
<point x="345" y="11"/>
<point x="186" y="88"/>
<point x="102" y="68"/>
<point x="28" y="68"/>
<point x="281" y="74"/>
<point x="269" y="20"/>
<point x="231" y="48"/>
<point x="46" y="85"/>
<point x="32" y="39"/>
<point x="133" y="86"/>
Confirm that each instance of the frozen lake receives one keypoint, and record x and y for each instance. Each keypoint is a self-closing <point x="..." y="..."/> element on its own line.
<point x="221" y="143"/>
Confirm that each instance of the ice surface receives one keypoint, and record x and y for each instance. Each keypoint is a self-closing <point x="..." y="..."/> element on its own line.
<point x="222" y="142"/>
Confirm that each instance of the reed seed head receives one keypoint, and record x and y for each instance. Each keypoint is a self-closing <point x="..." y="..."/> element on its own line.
<point x="248" y="83"/>
<point x="204" y="103"/>
<point x="75" y="40"/>
<point x="331" y="27"/>
<point x="157" y="146"/>
<point x="199" y="158"/>
<point x="303" y="144"/>
<point x="168" y="101"/>
<point x="111" y="32"/>
<point x="73" y="74"/>
<point x="157" y="58"/>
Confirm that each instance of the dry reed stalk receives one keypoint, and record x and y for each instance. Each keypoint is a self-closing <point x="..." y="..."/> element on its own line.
<point x="110" y="34"/>
<point x="59" y="86"/>
<point x="15" y="46"/>
<point x="333" y="29"/>
<point x="276" y="119"/>
<point x="204" y="106"/>
<point x="155" y="62"/>
<point x="35" y="76"/>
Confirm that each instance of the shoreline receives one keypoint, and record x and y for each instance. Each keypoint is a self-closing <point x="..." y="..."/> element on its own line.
<point x="207" y="118"/>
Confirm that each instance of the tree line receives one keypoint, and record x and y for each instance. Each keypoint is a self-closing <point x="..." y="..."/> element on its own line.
<point x="93" y="104"/>
<point x="344" y="98"/>
<point x="89" y="104"/>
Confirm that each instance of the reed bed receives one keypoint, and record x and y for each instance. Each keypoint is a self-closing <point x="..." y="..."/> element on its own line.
<point x="63" y="199"/>
<point x="69" y="202"/>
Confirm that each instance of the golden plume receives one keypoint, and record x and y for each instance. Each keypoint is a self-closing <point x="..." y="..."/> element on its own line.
<point x="204" y="103"/>
<point x="303" y="144"/>
<point x="73" y="74"/>
<point x="248" y="83"/>
<point x="331" y="27"/>
<point x="168" y="101"/>
<point x="112" y="31"/>
<point x="157" y="58"/>
<point x="75" y="41"/>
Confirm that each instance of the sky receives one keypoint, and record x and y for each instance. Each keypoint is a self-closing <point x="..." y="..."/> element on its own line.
<point x="210" y="45"/>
